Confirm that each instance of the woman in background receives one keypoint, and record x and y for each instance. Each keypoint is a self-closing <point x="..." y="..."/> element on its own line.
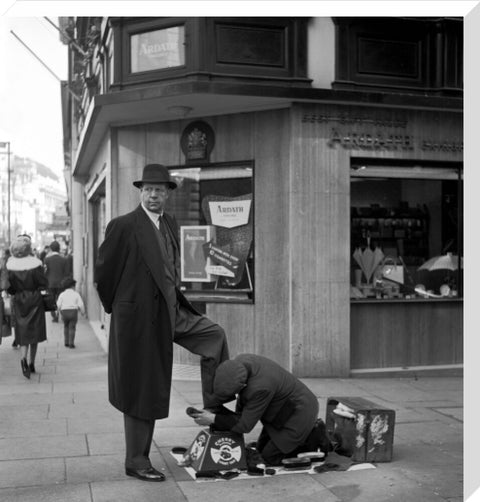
<point x="27" y="278"/>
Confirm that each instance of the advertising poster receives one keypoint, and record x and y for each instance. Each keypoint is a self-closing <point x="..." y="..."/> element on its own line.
<point x="194" y="261"/>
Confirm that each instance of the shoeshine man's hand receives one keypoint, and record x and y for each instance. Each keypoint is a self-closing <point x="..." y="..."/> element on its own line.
<point x="205" y="418"/>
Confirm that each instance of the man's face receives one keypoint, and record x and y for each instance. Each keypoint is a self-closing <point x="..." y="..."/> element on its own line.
<point x="154" y="196"/>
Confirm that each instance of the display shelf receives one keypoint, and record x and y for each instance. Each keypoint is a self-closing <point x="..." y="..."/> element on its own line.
<point x="398" y="231"/>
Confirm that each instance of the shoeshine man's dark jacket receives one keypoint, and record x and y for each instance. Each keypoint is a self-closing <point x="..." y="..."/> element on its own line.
<point x="268" y="393"/>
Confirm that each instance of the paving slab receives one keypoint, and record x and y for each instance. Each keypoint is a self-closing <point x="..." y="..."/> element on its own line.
<point x="43" y="447"/>
<point x="79" y="425"/>
<point x="15" y="473"/>
<point x="429" y="432"/>
<point x="94" y="468"/>
<point x="77" y="410"/>
<point x="131" y="489"/>
<point x="379" y="485"/>
<point x="285" y="488"/>
<point x="51" y="493"/>
<point x="27" y="427"/>
<point x="444" y="481"/>
<point x="106" y="443"/>
<point x="13" y="413"/>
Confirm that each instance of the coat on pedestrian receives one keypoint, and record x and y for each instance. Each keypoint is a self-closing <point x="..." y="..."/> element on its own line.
<point x="27" y="279"/>
<point x="55" y="269"/>
<point x="269" y="394"/>
<point x="130" y="279"/>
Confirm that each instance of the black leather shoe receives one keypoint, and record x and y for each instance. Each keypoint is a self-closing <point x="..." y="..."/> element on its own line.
<point x="32" y="368"/>
<point x="149" y="474"/>
<point x="25" y="368"/>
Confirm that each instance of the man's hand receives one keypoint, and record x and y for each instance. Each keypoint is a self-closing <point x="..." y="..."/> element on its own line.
<point x="204" y="418"/>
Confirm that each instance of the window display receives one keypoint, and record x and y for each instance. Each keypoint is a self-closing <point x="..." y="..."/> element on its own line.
<point x="214" y="209"/>
<point x="406" y="232"/>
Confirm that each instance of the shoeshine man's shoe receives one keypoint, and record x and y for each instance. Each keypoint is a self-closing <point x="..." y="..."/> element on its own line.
<point x="149" y="474"/>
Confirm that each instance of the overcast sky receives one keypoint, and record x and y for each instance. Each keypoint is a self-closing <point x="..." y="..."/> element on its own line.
<point x="30" y="106"/>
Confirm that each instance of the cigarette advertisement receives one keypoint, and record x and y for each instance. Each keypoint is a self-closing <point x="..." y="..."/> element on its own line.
<point x="195" y="263"/>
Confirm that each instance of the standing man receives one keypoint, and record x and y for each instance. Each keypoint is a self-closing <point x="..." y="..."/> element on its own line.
<point x="55" y="270"/>
<point x="137" y="278"/>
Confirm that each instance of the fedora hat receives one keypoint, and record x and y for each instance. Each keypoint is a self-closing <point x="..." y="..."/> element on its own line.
<point x="155" y="173"/>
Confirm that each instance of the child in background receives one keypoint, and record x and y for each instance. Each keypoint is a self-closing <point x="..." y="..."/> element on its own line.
<point x="69" y="302"/>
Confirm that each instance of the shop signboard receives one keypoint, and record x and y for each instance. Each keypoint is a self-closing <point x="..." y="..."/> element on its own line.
<point x="158" y="49"/>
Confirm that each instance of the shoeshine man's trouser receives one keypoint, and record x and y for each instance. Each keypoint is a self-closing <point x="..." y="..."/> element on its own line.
<point x="201" y="336"/>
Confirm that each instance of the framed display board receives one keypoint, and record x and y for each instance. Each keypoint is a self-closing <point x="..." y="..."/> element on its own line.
<point x="214" y="205"/>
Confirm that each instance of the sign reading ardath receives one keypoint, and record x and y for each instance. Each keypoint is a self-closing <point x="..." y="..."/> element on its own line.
<point x="230" y="214"/>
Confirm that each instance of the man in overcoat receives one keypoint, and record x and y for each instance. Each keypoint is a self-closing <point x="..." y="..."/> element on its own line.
<point x="56" y="271"/>
<point x="137" y="278"/>
<point x="269" y="394"/>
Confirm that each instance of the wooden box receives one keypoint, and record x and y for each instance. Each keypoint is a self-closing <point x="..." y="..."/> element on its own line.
<point x="363" y="429"/>
<point x="217" y="451"/>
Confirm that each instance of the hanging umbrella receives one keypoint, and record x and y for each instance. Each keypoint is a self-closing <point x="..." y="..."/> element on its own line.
<point x="378" y="257"/>
<point x="357" y="256"/>
<point x="368" y="258"/>
<point x="443" y="262"/>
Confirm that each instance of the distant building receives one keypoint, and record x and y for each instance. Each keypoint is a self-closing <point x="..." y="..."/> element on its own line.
<point x="37" y="202"/>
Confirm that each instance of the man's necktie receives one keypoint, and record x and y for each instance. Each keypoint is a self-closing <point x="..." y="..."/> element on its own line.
<point x="162" y="227"/>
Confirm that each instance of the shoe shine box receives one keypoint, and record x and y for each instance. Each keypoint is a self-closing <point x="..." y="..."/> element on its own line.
<point x="362" y="429"/>
<point x="217" y="451"/>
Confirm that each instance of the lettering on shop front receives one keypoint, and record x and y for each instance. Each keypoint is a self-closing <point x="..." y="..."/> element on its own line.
<point x="367" y="141"/>
<point x="345" y="119"/>
<point x="390" y="142"/>
<point x="430" y="145"/>
<point x="157" y="49"/>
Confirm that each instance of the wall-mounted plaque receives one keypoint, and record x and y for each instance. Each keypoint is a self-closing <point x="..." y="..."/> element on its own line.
<point x="197" y="142"/>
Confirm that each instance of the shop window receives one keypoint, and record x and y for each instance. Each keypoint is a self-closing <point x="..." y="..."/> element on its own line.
<point x="213" y="205"/>
<point x="406" y="232"/>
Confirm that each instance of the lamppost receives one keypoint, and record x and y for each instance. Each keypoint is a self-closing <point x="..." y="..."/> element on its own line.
<point x="6" y="144"/>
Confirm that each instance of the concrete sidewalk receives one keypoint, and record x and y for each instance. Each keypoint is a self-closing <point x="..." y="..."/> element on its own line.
<point x="60" y="439"/>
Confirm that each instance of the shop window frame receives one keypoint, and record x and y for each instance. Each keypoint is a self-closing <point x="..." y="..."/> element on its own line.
<point x="213" y="291"/>
<point x="400" y="171"/>
<point x="437" y="47"/>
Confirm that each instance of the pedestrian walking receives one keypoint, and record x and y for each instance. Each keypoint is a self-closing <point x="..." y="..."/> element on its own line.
<point x="55" y="269"/>
<point x="69" y="263"/>
<point x="5" y="300"/>
<point x="27" y="278"/>
<point x="43" y="254"/>
<point x="8" y="301"/>
<point x="137" y="277"/>
<point x="69" y="303"/>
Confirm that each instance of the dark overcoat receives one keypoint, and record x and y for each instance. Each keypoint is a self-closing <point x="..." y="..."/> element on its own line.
<point x="285" y="406"/>
<point x="27" y="279"/>
<point x="55" y="269"/>
<point x="130" y="279"/>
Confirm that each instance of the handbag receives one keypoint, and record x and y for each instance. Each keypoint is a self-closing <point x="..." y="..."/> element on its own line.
<point x="49" y="303"/>
<point x="5" y="328"/>
<point x="391" y="271"/>
<point x="7" y="305"/>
